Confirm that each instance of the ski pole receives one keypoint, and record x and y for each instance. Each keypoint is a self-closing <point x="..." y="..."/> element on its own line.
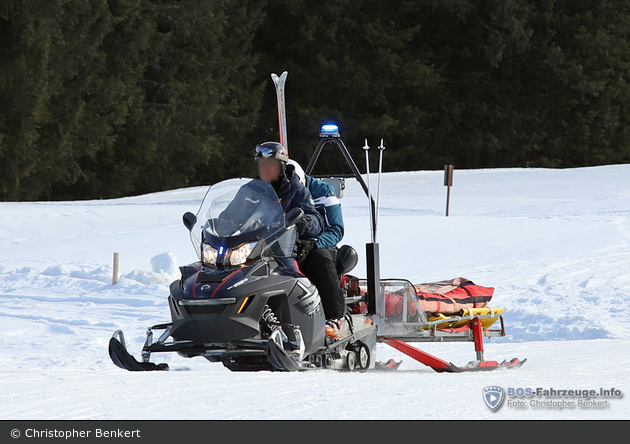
<point x="381" y="148"/>
<point x="367" y="173"/>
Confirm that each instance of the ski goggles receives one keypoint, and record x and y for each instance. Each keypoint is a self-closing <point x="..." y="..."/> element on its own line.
<point x="265" y="151"/>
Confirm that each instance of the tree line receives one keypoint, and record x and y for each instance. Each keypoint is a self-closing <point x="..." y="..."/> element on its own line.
<point x="108" y="98"/>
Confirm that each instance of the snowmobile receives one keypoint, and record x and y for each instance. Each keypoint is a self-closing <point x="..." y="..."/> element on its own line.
<point x="241" y="304"/>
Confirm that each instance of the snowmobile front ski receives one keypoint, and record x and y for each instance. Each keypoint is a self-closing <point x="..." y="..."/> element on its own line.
<point x="353" y="352"/>
<point x="121" y="357"/>
<point x="278" y="355"/>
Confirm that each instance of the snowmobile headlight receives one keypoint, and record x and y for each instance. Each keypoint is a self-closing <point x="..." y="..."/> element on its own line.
<point x="210" y="254"/>
<point x="239" y="255"/>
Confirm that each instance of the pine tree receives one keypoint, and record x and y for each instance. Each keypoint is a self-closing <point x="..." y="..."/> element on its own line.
<point x="116" y="97"/>
<point x="27" y="34"/>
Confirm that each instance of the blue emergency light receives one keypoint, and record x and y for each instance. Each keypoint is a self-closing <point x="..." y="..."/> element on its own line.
<point x="329" y="130"/>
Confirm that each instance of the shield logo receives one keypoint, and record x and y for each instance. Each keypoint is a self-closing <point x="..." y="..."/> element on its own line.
<point x="493" y="397"/>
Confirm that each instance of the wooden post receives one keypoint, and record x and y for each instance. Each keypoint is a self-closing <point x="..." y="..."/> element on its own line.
<point x="115" y="272"/>
<point x="448" y="182"/>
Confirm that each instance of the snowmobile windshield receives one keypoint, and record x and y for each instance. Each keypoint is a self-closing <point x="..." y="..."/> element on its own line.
<point x="235" y="212"/>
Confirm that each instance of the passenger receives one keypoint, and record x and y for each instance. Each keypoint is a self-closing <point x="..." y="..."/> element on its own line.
<point x="317" y="258"/>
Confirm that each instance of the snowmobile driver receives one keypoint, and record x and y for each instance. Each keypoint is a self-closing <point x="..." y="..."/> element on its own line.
<point x="317" y="258"/>
<point x="271" y="161"/>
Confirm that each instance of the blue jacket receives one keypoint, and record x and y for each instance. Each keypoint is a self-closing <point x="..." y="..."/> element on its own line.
<point x="293" y="194"/>
<point x="328" y="205"/>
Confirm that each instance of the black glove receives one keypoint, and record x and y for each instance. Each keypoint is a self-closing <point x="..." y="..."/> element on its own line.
<point x="303" y="225"/>
<point x="304" y="247"/>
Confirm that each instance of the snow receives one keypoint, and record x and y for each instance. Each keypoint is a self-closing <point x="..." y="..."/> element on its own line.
<point x="554" y="243"/>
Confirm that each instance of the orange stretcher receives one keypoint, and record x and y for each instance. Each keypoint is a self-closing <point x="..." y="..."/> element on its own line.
<point x="454" y="310"/>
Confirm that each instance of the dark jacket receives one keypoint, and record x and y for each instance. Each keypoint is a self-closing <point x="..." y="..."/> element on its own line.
<point x="293" y="194"/>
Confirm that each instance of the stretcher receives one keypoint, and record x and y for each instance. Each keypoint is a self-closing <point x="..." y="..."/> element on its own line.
<point x="455" y="310"/>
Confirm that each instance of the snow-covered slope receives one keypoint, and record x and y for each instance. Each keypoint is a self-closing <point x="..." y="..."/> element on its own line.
<point x="554" y="243"/>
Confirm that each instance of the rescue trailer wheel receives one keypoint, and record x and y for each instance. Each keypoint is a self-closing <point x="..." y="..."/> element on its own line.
<point x="327" y="361"/>
<point x="351" y="361"/>
<point x="364" y="357"/>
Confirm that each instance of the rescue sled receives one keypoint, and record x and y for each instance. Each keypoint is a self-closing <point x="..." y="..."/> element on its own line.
<point x="408" y="318"/>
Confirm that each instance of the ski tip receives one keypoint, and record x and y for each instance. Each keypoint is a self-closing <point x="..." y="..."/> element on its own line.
<point x="516" y="363"/>
<point x="389" y="365"/>
<point x="282" y="76"/>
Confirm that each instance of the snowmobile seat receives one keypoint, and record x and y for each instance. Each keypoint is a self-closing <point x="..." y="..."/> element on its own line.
<point x="347" y="259"/>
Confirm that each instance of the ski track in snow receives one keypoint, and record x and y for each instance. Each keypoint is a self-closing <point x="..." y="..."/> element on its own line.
<point x="554" y="243"/>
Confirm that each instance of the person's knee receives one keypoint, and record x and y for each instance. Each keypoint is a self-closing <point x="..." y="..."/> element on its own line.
<point x="323" y="255"/>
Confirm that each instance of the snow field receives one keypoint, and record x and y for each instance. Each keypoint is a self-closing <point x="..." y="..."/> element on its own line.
<point x="554" y="243"/>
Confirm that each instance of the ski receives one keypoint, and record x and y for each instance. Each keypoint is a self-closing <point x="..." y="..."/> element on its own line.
<point x="282" y="115"/>
<point x="484" y="366"/>
<point x="514" y="363"/>
<point x="390" y="365"/>
<point x="121" y="357"/>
